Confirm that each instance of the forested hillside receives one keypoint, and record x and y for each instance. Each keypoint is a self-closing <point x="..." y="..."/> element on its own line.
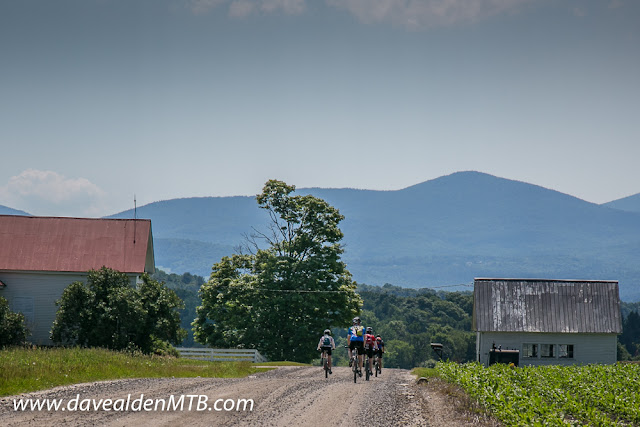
<point x="408" y="320"/>
<point x="186" y="286"/>
<point x="441" y="232"/>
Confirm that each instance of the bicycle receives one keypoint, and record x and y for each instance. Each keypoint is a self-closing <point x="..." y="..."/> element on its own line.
<point x="366" y="368"/>
<point x="354" y="363"/>
<point x="325" y="363"/>
<point x="376" y="364"/>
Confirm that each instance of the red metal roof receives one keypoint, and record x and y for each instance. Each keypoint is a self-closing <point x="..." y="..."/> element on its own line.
<point x="30" y="243"/>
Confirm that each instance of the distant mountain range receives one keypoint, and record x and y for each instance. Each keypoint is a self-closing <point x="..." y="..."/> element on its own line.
<point x="437" y="233"/>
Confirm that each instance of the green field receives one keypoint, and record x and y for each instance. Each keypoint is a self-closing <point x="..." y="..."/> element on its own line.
<point x="595" y="395"/>
<point x="25" y="370"/>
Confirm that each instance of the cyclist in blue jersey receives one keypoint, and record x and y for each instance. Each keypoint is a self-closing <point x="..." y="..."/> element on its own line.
<point x="355" y="338"/>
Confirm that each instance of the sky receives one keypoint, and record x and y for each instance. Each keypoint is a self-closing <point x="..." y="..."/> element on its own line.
<point x="104" y="101"/>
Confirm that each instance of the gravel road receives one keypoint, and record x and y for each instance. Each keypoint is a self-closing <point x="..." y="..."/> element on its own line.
<point x="287" y="396"/>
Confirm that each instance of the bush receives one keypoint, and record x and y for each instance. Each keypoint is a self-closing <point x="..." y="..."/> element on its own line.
<point x="163" y="348"/>
<point x="12" y="328"/>
<point x="107" y="312"/>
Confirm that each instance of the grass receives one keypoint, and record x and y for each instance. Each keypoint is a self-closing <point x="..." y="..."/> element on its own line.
<point x="26" y="370"/>
<point x="424" y="372"/>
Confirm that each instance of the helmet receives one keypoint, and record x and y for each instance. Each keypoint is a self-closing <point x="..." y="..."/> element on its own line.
<point x="378" y="338"/>
<point x="327" y="331"/>
<point x="369" y="330"/>
<point x="356" y="319"/>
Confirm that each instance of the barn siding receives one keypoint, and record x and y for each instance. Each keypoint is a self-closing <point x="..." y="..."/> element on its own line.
<point x="43" y="290"/>
<point x="588" y="348"/>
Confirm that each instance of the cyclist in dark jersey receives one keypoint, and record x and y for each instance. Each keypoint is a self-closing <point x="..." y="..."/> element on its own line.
<point x="380" y="350"/>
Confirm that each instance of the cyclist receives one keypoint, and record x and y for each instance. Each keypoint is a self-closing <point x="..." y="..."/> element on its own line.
<point x="380" y="350"/>
<point x="355" y="338"/>
<point x="370" y="346"/>
<point x="327" y="344"/>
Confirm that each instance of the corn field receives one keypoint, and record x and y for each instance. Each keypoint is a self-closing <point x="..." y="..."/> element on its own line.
<point x="594" y="395"/>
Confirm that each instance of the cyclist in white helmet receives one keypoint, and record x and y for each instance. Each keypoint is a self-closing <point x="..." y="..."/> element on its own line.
<point x="355" y="338"/>
<point x="327" y="344"/>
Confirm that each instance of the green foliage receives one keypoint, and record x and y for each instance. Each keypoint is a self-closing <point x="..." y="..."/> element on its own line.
<point x="12" y="327"/>
<point x="280" y="299"/>
<point x="427" y="372"/>
<point x="621" y="352"/>
<point x="630" y="337"/>
<point x="186" y="287"/>
<point x="162" y="317"/>
<point x="399" y="354"/>
<point x="602" y="395"/>
<point x="409" y="320"/>
<point x="108" y="312"/>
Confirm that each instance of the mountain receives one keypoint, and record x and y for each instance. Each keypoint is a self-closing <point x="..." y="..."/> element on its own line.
<point x="630" y="204"/>
<point x="440" y="232"/>
<point x="4" y="210"/>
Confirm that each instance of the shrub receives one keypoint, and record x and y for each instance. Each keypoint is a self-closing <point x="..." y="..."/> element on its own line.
<point x="12" y="327"/>
<point x="107" y="312"/>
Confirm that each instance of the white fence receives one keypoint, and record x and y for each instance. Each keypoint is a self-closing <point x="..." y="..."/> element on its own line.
<point x="221" y="354"/>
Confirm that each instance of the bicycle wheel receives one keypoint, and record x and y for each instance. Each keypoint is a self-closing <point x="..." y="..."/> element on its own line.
<point x="355" y="366"/>
<point x="326" y="367"/>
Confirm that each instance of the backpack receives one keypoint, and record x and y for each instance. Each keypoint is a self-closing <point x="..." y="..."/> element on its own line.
<point x="359" y="330"/>
<point x="326" y="342"/>
<point x="370" y="340"/>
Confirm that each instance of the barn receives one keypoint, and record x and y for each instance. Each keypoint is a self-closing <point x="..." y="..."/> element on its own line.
<point x="40" y="256"/>
<point x="542" y="322"/>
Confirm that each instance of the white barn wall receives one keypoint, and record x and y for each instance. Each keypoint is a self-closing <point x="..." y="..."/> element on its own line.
<point x="35" y="294"/>
<point x="588" y="348"/>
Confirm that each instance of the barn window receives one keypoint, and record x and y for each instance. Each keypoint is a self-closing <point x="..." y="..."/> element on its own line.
<point x="529" y="350"/>
<point x="546" y="350"/>
<point x="565" y="351"/>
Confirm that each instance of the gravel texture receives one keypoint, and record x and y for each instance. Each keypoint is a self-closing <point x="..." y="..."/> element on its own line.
<point x="287" y="396"/>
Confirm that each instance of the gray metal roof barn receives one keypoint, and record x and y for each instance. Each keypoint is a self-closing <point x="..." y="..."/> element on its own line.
<point x="548" y="321"/>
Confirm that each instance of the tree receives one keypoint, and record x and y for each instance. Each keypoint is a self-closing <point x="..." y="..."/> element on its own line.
<point x="186" y="287"/>
<point x="108" y="312"/>
<point x="399" y="354"/>
<point x="162" y="320"/>
<point x="12" y="327"/>
<point x="630" y="336"/>
<point x="280" y="298"/>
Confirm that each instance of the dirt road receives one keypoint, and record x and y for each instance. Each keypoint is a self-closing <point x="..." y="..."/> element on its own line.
<point x="287" y="396"/>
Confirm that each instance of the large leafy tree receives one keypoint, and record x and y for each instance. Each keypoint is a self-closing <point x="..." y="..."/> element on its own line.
<point x="108" y="312"/>
<point x="280" y="298"/>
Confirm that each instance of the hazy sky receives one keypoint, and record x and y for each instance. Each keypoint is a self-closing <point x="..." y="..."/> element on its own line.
<point x="104" y="99"/>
